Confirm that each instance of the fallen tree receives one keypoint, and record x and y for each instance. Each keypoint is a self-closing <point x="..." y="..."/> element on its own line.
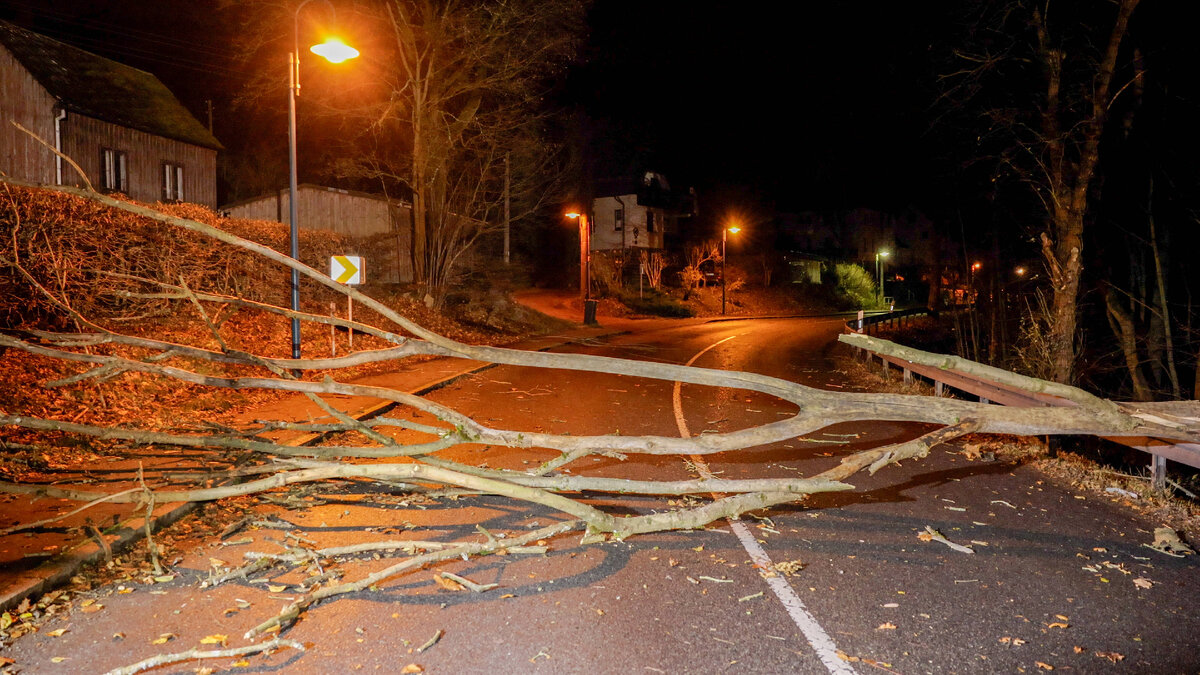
<point x="281" y="465"/>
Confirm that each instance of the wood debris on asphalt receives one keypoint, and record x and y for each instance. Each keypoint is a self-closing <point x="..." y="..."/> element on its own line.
<point x="931" y="534"/>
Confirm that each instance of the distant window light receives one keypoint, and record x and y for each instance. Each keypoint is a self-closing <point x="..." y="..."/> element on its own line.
<point x="172" y="182"/>
<point x="113" y="171"/>
<point x="618" y="219"/>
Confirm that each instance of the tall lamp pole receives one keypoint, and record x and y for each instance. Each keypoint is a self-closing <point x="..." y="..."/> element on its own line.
<point x="335" y="51"/>
<point x="585" y="259"/>
<point x="725" y="238"/>
<point x="879" y="256"/>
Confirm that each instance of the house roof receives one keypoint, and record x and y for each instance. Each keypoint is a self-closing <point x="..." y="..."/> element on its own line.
<point x="92" y="85"/>
<point x="315" y="188"/>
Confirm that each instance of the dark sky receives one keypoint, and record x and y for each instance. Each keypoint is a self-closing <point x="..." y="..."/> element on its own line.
<point x="814" y="105"/>
<point x="820" y="104"/>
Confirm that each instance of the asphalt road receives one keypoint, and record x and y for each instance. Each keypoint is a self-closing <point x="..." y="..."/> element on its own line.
<point x="1051" y="582"/>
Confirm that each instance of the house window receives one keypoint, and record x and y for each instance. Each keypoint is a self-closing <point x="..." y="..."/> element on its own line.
<point x="649" y="221"/>
<point x="113" y="171"/>
<point x="172" y="182"/>
<point x="619" y="219"/>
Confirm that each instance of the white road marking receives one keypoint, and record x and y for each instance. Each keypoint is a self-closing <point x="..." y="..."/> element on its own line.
<point x="821" y="643"/>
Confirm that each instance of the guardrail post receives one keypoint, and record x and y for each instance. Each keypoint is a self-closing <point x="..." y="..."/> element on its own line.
<point x="938" y="388"/>
<point x="1158" y="472"/>
<point x="908" y="379"/>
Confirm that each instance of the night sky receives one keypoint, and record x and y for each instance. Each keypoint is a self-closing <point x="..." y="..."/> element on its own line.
<point x="818" y="106"/>
<point x="807" y="105"/>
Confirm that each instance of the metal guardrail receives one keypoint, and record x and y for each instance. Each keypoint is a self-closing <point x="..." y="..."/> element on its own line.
<point x="866" y="322"/>
<point x="989" y="391"/>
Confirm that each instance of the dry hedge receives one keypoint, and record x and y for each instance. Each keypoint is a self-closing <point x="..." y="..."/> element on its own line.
<point x="84" y="255"/>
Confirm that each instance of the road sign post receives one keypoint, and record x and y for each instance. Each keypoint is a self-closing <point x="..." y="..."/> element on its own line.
<point x="347" y="269"/>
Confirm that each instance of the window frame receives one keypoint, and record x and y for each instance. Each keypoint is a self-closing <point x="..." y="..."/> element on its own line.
<point x="171" y="178"/>
<point x="114" y="170"/>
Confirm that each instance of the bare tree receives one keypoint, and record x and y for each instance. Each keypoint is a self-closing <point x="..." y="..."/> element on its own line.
<point x="695" y="256"/>
<point x="653" y="264"/>
<point x="466" y="80"/>
<point x="445" y="95"/>
<point x="1052" y="139"/>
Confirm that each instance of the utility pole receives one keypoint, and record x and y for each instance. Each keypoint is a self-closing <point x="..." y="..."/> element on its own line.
<point x="507" y="212"/>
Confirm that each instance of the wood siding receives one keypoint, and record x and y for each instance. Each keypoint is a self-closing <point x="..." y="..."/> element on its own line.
<point x="380" y="229"/>
<point x="83" y="137"/>
<point x="605" y="236"/>
<point x="26" y="102"/>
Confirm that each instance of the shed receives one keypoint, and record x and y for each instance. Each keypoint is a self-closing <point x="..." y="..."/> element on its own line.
<point x="381" y="228"/>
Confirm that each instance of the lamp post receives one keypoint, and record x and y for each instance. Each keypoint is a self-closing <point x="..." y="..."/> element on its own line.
<point x="724" y="238"/>
<point x="585" y="263"/>
<point x="335" y="51"/>
<point x="879" y="257"/>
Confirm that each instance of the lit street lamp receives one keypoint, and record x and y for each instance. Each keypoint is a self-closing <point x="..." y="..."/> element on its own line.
<point x="335" y="51"/>
<point x="724" y="237"/>
<point x="585" y="265"/>
<point x="879" y="257"/>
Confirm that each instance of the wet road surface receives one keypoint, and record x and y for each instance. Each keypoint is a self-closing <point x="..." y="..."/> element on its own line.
<point x="1052" y="582"/>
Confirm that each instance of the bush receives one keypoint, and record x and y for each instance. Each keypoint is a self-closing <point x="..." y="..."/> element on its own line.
<point x="855" y="287"/>
<point x="656" y="303"/>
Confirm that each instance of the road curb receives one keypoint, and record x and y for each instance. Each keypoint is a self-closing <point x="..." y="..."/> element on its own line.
<point x="59" y="569"/>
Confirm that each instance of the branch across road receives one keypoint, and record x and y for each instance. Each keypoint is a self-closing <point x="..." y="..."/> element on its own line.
<point x="694" y="602"/>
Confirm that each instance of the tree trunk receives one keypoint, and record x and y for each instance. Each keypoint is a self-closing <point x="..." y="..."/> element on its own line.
<point x="1069" y="179"/>
<point x="1122" y="326"/>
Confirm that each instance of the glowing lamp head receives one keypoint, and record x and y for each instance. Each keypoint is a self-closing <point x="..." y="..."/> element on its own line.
<point x="572" y="214"/>
<point x="334" y="50"/>
<point x="735" y="229"/>
<point x="977" y="266"/>
<point x="1020" y="271"/>
<point x="884" y="254"/>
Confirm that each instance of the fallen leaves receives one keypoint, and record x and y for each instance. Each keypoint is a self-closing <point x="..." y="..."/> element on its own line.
<point x="887" y="625"/>
<point x="789" y="567"/>
<point x="1167" y="541"/>
<point x="1143" y="582"/>
<point x="1043" y="666"/>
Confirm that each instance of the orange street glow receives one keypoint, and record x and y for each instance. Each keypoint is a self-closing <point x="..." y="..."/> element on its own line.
<point x="334" y="50"/>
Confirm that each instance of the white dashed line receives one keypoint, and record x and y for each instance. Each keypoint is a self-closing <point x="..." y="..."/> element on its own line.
<point x="821" y="643"/>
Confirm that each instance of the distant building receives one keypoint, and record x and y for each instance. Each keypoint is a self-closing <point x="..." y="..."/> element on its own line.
<point x="122" y="126"/>
<point x="380" y="227"/>
<point x="641" y="213"/>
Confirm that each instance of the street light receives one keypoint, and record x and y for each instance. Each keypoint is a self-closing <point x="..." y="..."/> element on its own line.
<point x="724" y="237"/>
<point x="879" y="256"/>
<point x="335" y="51"/>
<point x="585" y="265"/>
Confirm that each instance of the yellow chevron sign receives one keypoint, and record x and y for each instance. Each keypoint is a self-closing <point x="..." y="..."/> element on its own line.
<point x="346" y="269"/>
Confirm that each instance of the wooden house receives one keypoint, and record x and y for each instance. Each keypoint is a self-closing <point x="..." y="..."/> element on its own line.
<point x="122" y="126"/>
<point x="380" y="228"/>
